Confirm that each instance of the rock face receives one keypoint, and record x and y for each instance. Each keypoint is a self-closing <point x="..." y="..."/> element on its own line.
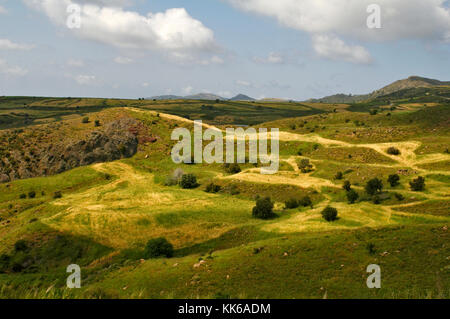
<point x="117" y="140"/>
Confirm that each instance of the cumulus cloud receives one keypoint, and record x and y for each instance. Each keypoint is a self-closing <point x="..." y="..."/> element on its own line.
<point x="12" y="70"/>
<point x="6" y="44"/>
<point x="334" y="48"/>
<point x="401" y="19"/>
<point x="273" y="58"/>
<point x="187" y="90"/>
<point x="86" y="79"/>
<point x="171" y="31"/>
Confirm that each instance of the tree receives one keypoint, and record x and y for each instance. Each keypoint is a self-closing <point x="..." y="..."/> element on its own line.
<point x="263" y="208"/>
<point x="374" y="186"/>
<point x="330" y="214"/>
<point x="393" y="151"/>
<point x="188" y="181"/>
<point x="158" y="247"/>
<point x="305" y="202"/>
<point x="417" y="184"/>
<point x="393" y="180"/>
<point x="291" y="203"/>
<point x="347" y="186"/>
<point x="304" y="165"/>
<point x="352" y="196"/>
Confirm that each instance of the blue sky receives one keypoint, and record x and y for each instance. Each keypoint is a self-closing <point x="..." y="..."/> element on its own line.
<point x="296" y="49"/>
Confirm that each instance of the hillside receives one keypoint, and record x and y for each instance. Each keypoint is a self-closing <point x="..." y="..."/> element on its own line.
<point x="101" y="214"/>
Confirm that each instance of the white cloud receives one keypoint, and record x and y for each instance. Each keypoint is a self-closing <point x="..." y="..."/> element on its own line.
<point x="188" y="90"/>
<point x="273" y="58"/>
<point x="123" y="60"/>
<point x="12" y="70"/>
<point x="75" y="63"/>
<point x="145" y="84"/>
<point x="6" y="44"/>
<point x="173" y="30"/>
<point x="334" y="48"/>
<point x="86" y="79"/>
<point x="401" y="19"/>
<point x="3" y="10"/>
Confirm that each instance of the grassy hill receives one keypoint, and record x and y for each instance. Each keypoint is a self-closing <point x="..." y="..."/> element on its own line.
<point x="101" y="215"/>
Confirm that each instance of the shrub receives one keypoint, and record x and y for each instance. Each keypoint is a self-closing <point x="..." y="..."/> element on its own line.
<point x="304" y="165"/>
<point x="85" y="120"/>
<point x="376" y="200"/>
<point x="57" y="194"/>
<point x="339" y="176"/>
<point x="212" y="188"/>
<point x="97" y="123"/>
<point x="305" y="202"/>
<point x="188" y="181"/>
<point x="373" y="112"/>
<point x="417" y="184"/>
<point x="158" y="247"/>
<point x="23" y="196"/>
<point x="21" y="245"/>
<point x="263" y="208"/>
<point x="374" y="186"/>
<point x="291" y="203"/>
<point x="352" y="196"/>
<point x="347" y="186"/>
<point x="371" y="248"/>
<point x="232" y="168"/>
<point x="32" y="194"/>
<point x="399" y="197"/>
<point x="393" y="180"/>
<point x="393" y="151"/>
<point x="330" y="214"/>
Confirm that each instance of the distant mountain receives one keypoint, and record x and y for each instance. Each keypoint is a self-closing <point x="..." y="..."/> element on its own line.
<point x="412" y="82"/>
<point x="272" y="99"/>
<point x="242" y="97"/>
<point x="166" y="97"/>
<point x="204" y="96"/>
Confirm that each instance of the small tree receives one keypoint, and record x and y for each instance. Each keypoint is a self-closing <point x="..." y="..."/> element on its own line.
<point x="263" y="208"/>
<point x="417" y="184"/>
<point x="393" y="151"/>
<point x="305" y="202"/>
<point x="291" y="203"/>
<point x="304" y="165"/>
<point x="352" y="196"/>
<point x="374" y="186"/>
<point x="339" y="176"/>
<point x="158" y="247"/>
<point x="188" y="181"/>
<point x="347" y="186"/>
<point x="85" y="120"/>
<point x="393" y="180"/>
<point x="330" y="214"/>
<point x="212" y="188"/>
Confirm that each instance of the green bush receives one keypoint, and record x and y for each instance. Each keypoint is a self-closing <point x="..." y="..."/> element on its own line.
<point x="263" y="208"/>
<point x="352" y="196"/>
<point x="188" y="181"/>
<point x="347" y="186"/>
<point x="399" y="197"/>
<point x="21" y="245"/>
<point x="212" y="188"/>
<point x="32" y="194"/>
<point x="393" y="151"/>
<point x="330" y="214"/>
<point x="376" y="200"/>
<point x="291" y="203"/>
<point x="97" y="123"/>
<point x="304" y="165"/>
<point x="57" y="195"/>
<point x="393" y="180"/>
<point x="85" y="120"/>
<point x="158" y="247"/>
<point x="339" y="175"/>
<point x="23" y="196"/>
<point x="417" y="184"/>
<point x="305" y="201"/>
<point x="374" y="186"/>
<point x="232" y="168"/>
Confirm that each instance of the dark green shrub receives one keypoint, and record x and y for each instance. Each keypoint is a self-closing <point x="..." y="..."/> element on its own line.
<point x="393" y="151"/>
<point x="305" y="201"/>
<point x="232" y="168"/>
<point x="188" y="181"/>
<point x="32" y="194"/>
<point x="376" y="200"/>
<point x="371" y="248"/>
<point x="339" y="175"/>
<point x="21" y="245"/>
<point x="57" y="195"/>
<point x="263" y="208"/>
<point x="85" y="120"/>
<point x="393" y="180"/>
<point x="304" y="165"/>
<point x="352" y="196"/>
<point x="374" y="186"/>
<point x="417" y="184"/>
<point x="97" y="123"/>
<point x="399" y="197"/>
<point x="347" y="186"/>
<point x="291" y="203"/>
<point x="212" y="188"/>
<point x="158" y="247"/>
<point x="23" y="196"/>
<point x="330" y="214"/>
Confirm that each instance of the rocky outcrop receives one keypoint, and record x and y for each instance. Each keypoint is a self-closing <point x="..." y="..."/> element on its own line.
<point x="116" y="140"/>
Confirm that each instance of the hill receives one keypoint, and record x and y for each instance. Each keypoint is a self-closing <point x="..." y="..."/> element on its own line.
<point x="242" y="97"/>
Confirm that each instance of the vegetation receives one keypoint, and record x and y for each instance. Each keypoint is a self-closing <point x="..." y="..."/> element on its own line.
<point x="393" y="180"/>
<point x="374" y="186"/>
<point x="158" y="247"/>
<point x="263" y="208"/>
<point x="417" y="184"/>
<point x="330" y="214"/>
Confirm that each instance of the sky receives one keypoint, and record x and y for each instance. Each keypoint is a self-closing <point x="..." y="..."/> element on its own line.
<point x="293" y="49"/>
